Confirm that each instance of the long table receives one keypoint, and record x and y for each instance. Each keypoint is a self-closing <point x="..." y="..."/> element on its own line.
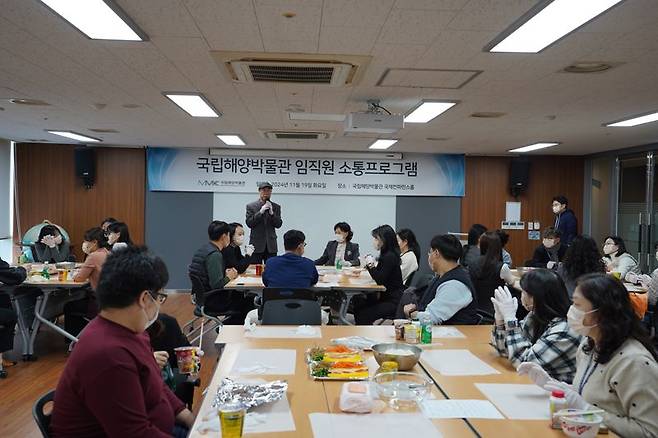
<point x="307" y="396"/>
<point x="331" y="282"/>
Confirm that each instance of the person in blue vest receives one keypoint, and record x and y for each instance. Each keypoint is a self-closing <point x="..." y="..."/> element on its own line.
<point x="565" y="219"/>
<point x="450" y="298"/>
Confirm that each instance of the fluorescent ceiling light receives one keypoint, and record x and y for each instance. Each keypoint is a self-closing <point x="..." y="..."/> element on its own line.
<point x="534" y="147"/>
<point x="639" y="120"/>
<point x="316" y="117"/>
<point x="551" y="23"/>
<point x="75" y="136"/>
<point x="382" y="144"/>
<point x="98" y="19"/>
<point x="193" y="103"/>
<point x="231" y="139"/>
<point x="427" y="111"/>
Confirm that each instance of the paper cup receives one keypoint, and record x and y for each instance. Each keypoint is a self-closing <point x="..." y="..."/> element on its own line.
<point x="188" y="360"/>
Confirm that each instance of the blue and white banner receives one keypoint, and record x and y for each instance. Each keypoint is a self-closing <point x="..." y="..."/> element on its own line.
<point x="193" y="170"/>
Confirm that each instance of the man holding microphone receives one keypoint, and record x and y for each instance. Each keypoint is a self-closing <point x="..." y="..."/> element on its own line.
<point x="263" y="217"/>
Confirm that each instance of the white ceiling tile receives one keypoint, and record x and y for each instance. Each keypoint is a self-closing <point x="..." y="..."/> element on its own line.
<point x="414" y="26"/>
<point x="490" y="15"/>
<point x="161" y="17"/>
<point x="305" y="26"/>
<point x="360" y="13"/>
<point x="149" y="63"/>
<point x="431" y="4"/>
<point x="286" y="46"/>
<point x="454" y="47"/>
<point x="227" y="24"/>
<point x="347" y="40"/>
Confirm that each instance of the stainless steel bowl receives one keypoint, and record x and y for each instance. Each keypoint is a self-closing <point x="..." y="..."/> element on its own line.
<point x="405" y="362"/>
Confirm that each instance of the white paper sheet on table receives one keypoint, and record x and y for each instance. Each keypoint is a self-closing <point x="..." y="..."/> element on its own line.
<point x="249" y="281"/>
<point x="517" y="402"/>
<point x="265" y="361"/>
<point x="460" y="409"/>
<point x="446" y="332"/>
<point x="457" y="363"/>
<point x="371" y="426"/>
<point x="274" y="332"/>
<point x="268" y="418"/>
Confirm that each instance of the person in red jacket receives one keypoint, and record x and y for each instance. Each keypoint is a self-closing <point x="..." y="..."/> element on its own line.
<point x="111" y="385"/>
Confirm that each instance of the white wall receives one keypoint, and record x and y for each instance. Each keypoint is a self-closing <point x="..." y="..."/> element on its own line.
<point x="6" y="199"/>
<point x="315" y="215"/>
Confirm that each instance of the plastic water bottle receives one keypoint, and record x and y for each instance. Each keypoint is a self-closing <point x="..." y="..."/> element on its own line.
<point x="557" y="402"/>
<point x="339" y="264"/>
<point x="425" y="329"/>
<point x="45" y="273"/>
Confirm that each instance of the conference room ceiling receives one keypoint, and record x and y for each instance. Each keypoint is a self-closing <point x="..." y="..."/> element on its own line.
<point x="98" y="87"/>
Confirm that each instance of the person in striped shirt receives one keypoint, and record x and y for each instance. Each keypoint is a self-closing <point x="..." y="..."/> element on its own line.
<point x="543" y="337"/>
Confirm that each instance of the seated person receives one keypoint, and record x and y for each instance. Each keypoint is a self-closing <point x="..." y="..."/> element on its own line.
<point x="472" y="248"/>
<point x="543" y="337"/>
<point x="582" y="257"/>
<point x="409" y="253"/>
<point x="450" y="298"/>
<point x="291" y="269"/>
<point x="11" y="277"/>
<point x="616" y="365"/>
<point x="550" y="253"/>
<point x="232" y="254"/>
<point x="341" y="248"/>
<point x="209" y="266"/>
<point x="51" y="246"/>
<point x="165" y="334"/>
<point x="617" y="259"/>
<point x="486" y="270"/>
<point x="118" y="236"/>
<point x="386" y="272"/>
<point x="76" y="313"/>
<point x="111" y="384"/>
<point x="649" y="282"/>
<point x="106" y="223"/>
<point x="504" y="238"/>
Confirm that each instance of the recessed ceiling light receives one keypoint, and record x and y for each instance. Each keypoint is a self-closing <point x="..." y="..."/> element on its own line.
<point x="634" y="121"/>
<point x="131" y="105"/>
<point x="487" y="115"/>
<point x="316" y="117"/>
<point x="231" y="139"/>
<point x="588" y="67"/>
<point x="74" y="136"/>
<point x="195" y="104"/>
<point x="538" y="29"/>
<point x="382" y="144"/>
<point x="534" y="147"/>
<point x="98" y="19"/>
<point x="29" y="102"/>
<point x="428" y="110"/>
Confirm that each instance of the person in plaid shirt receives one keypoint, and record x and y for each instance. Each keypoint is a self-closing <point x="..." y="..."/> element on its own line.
<point x="543" y="337"/>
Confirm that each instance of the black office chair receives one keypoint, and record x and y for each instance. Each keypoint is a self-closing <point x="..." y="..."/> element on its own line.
<point x="40" y="417"/>
<point x="290" y="306"/>
<point x="484" y="318"/>
<point x="198" y="296"/>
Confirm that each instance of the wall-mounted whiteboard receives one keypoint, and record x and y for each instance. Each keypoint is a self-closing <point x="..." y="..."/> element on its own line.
<point x="316" y="216"/>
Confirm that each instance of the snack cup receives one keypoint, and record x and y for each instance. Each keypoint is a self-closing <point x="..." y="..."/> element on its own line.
<point x="259" y="269"/>
<point x="188" y="360"/>
<point x="581" y="426"/>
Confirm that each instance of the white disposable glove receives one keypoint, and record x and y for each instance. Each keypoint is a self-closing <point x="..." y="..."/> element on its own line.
<point x="498" y="316"/>
<point x="631" y="277"/>
<point x="264" y="208"/>
<point x="370" y="260"/>
<point x="269" y="206"/>
<point x="536" y="373"/>
<point x="506" y="274"/>
<point x="551" y="264"/>
<point x="49" y="241"/>
<point x="574" y="400"/>
<point x="506" y="303"/>
<point x="249" y="249"/>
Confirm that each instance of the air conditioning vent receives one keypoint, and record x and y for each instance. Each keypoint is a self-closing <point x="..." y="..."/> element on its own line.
<point x="297" y="135"/>
<point x="293" y="68"/>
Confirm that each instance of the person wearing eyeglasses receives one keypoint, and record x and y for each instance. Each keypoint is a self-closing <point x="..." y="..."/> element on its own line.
<point x="111" y="384"/>
<point x="291" y="269"/>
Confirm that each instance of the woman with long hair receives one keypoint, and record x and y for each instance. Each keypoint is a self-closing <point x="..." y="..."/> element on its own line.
<point x="617" y="366"/>
<point x="617" y="258"/>
<point x="543" y="337"/>
<point x="472" y="247"/>
<point x="51" y="246"/>
<point x="409" y="253"/>
<point x="386" y="272"/>
<point x="485" y="271"/>
<point x="118" y="236"/>
<point x="582" y="257"/>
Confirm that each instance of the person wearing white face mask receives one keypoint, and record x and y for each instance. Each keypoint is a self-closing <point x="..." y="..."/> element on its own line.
<point x="565" y="219"/>
<point x="233" y="257"/>
<point x="617" y="366"/>
<point x="543" y="337"/>
<point x="95" y="248"/>
<point x="341" y="248"/>
<point x="650" y="282"/>
<point x="617" y="259"/>
<point x="124" y="393"/>
<point x="118" y="236"/>
<point x="550" y="253"/>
